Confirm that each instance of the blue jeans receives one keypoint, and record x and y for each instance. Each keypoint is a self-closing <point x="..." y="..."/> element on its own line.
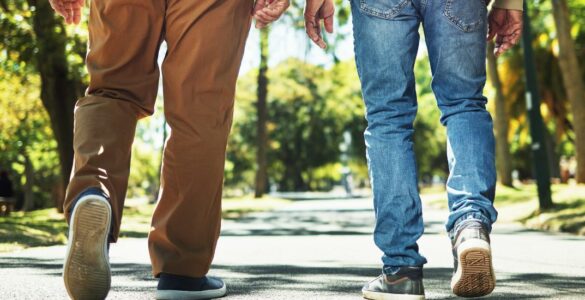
<point x="386" y="44"/>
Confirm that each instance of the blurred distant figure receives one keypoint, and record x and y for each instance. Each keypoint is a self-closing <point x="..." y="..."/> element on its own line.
<point x="572" y="167"/>
<point x="565" y="173"/>
<point x="347" y="181"/>
<point x="6" y="190"/>
<point x="6" y="194"/>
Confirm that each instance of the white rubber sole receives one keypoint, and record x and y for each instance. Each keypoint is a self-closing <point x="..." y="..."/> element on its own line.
<point x="475" y="275"/>
<point x="86" y="271"/>
<point x="385" y="296"/>
<point x="190" y="295"/>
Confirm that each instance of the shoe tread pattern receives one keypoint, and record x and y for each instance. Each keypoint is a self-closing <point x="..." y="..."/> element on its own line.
<point x="477" y="277"/>
<point x="87" y="271"/>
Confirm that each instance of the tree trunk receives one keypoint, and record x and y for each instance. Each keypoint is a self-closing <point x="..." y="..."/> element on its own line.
<point x="554" y="159"/>
<point x="29" y="201"/>
<point x="503" y="156"/>
<point x="262" y="113"/>
<point x="572" y="80"/>
<point x="59" y="88"/>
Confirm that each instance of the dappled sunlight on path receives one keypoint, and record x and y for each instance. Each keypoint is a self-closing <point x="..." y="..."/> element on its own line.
<point x="320" y="249"/>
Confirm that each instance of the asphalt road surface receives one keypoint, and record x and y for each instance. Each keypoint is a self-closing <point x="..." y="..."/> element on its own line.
<point x="319" y="249"/>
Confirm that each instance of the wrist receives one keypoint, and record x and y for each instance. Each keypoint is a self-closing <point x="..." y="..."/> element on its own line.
<point x="509" y="4"/>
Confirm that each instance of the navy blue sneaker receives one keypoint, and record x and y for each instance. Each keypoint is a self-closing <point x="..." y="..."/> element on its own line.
<point x="188" y="288"/>
<point x="86" y="271"/>
<point x="406" y="284"/>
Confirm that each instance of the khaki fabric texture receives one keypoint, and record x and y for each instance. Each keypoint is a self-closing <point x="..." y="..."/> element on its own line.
<point x="205" y="40"/>
<point x="510" y="4"/>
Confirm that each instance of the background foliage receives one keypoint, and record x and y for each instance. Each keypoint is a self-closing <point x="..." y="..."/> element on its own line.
<point x="310" y="107"/>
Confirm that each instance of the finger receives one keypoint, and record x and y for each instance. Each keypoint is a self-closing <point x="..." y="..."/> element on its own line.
<point x="515" y="39"/>
<point x="58" y="8"/>
<point x="493" y="27"/>
<point x="259" y="5"/>
<point x="497" y="44"/>
<point x="260" y="19"/>
<point x="317" y="38"/>
<point x="260" y="24"/>
<point x="317" y="27"/>
<point x="68" y="12"/>
<point x="313" y="26"/>
<point x="275" y="12"/>
<point x="264" y="18"/>
<point x="54" y="6"/>
<point x="62" y="8"/>
<point x="311" y="30"/>
<point x="329" y="24"/>
<point x="269" y="13"/>
<point x="69" y="7"/>
<point x="503" y="48"/>
<point x="77" y="16"/>
<point x="70" y="3"/>
<point x="499" y="51"/>
<point x="327" y="13"/>
<point x="59" y="11"/>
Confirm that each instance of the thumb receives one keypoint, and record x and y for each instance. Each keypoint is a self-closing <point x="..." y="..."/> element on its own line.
<point x="491" y="33"/>
<point x="492" y="26"/>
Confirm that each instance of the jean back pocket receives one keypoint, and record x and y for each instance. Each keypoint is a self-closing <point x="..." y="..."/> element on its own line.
<point x="385" y="9"/>
<point x="467" y="15"/>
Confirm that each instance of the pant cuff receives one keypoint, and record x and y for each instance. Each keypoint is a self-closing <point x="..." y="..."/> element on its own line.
<point x="470" y="217"/>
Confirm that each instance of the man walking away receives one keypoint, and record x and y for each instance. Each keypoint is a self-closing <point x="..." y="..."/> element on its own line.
<point x="386" y="45"/>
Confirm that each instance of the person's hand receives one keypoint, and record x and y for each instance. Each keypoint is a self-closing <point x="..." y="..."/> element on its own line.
<point x="268" y="11"/>
<point x="506" y="26"/>
<point x="315" y="11"/>
<point x="68" y="9"/>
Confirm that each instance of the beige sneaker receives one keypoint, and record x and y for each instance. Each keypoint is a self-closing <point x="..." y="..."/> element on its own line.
<point x="86" y="271"/>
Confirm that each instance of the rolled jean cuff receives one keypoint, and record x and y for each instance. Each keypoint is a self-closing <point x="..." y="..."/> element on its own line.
<point x="470" y="217"/>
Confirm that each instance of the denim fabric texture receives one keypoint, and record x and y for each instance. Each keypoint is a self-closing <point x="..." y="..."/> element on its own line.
<point x="386" y="34"/>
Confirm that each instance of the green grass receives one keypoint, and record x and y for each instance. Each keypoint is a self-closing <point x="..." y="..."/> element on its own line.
<point x="47" y="227"/>
<point x="38" y="228"/>
<point x="568" y="214"/>
<point x="520" y="204"/>
<point x="437" y="196"/>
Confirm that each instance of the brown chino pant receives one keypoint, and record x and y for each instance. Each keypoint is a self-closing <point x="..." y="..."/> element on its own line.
<point x="205" y="40"/>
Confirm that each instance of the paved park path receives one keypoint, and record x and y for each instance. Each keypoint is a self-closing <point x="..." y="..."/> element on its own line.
<point x="319" y="249"/>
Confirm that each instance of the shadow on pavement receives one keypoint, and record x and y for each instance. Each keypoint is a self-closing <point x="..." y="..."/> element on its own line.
<point x="310" y="223"/>
<point x="248" y="280"/>
<point x="252" y="279"/>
